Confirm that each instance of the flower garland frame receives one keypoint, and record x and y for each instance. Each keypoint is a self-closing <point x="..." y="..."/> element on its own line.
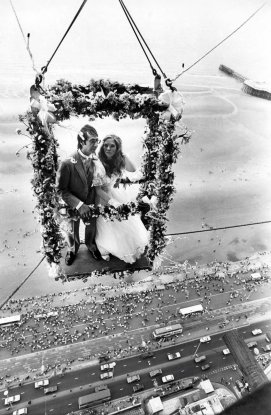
<point x="101" y="99"/>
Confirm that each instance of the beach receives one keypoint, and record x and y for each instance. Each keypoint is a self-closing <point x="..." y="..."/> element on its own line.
<point x="222" y="176"/>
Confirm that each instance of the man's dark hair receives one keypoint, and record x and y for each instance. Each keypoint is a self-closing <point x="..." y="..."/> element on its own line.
<point x="84" y="135"/>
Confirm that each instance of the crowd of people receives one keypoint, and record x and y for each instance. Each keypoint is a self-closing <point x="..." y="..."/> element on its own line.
<point x="49" y="321"/>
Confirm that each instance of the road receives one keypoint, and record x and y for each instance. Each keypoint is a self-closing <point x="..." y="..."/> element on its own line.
<point x="78" y="383"/>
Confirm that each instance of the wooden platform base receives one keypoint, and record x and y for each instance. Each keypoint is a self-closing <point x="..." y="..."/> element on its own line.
<point x="85" y="266"/>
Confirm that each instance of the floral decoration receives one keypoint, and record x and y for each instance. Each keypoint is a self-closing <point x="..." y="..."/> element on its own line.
<point x="101" y="99"/>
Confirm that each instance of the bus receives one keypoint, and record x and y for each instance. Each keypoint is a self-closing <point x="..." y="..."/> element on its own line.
<point x="94" y="398"/>
<point x="167" y="331"/>
<point x="192" y="310"/>
<point x="7" y="321"/>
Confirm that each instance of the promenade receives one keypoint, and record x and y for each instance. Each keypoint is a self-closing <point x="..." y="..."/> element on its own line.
<point x="228" y="304"/>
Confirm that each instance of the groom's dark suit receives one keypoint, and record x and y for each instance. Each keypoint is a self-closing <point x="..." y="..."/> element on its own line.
<point x="74" y="185"/>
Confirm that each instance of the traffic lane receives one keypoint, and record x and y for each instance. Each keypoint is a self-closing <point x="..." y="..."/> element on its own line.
<point x="120" y="387"/>
<point x="127" y="365"/>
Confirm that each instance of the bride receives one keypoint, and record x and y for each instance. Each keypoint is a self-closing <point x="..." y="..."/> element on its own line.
<point x="126" y="239"/>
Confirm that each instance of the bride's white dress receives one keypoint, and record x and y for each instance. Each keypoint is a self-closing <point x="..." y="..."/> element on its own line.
<point x="125" y="239"/>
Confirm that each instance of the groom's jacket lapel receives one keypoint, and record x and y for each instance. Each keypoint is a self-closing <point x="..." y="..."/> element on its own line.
<point x="80" y="168"/>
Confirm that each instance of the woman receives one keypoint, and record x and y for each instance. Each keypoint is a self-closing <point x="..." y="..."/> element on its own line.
<point x="126" y="239"/>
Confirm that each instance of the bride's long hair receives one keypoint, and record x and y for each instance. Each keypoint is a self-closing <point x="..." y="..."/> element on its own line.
<point x="117" y="163"/>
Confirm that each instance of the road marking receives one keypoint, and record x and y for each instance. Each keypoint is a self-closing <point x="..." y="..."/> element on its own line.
<point x="182" y="371"/>
<point x="69" y="404"/>
<point x="121" y="389"/>
<point x="139" y="361"/>
<point x="51" y="410"/>
<point x="58" y="383"/>
<point x="124" y="365"/>
<point x="93" y="373"/>
<point x="76" y="378"/>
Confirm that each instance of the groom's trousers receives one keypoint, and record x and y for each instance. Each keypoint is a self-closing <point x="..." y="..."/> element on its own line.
<point x="73" y="235"/>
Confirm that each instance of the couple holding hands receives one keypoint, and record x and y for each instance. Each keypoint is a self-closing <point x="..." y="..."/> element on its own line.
<point x="85" y="179"/>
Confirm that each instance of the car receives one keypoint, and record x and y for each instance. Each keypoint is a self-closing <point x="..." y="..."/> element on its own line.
<point x="168" y="378"/>
<point x="255" y="332"/>
<point x="205" y="367"/>
<point x="205" y="339"/>
<point x="226" y="351"/>
<point x="138" y="387"/>
<point x="173" y="356"/>
<point x="199" y="358"/>
<point x="250" y="345"/>
<point x="106" y="375"/>
<point x="155" y="372"/>
<point x="12" y="399"/>
<point x="41" y="383"/>
<point x="21" y="411"/>
<point x="103" y="358"/>
<point x="133" y="378"/>
<point x="51" y="389"/>
<point x="107" y="366"/>
<point x="239" y="384"/>
<point x="256" y="351"/>
<point x="267" y="348"/>
<point x="146" y="355"/>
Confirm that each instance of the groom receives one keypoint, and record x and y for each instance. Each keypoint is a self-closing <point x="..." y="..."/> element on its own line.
<point x="74" y="185"/>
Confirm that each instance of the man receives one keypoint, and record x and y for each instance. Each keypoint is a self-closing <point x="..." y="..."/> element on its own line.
<point x="74" y="185"/>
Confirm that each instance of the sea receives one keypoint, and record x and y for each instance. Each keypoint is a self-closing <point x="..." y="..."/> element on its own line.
<point x="101" y="44"/>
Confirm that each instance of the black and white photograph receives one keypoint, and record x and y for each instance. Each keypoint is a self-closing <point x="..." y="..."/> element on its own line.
<point x="135" y="207"/>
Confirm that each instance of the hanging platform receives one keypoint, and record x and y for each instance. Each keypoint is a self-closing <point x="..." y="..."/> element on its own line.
<point x="84" y="265"/>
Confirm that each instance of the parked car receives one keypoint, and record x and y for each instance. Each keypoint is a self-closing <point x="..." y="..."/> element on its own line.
<point x="168" y="378"/>
<point x="155" y="372"/>
<point x="173" y="356"/>
<point x="51" y="389"/>
<point x="250" y="345"/>
<point x="239" y="384"/>
<point x="41" y="383"/>
<point x="107" y="366"/>
<point x="132" y="378"/>
<point x="146" y="355"/>
<point x="12" y="399"/>
<point x="255" y="332"/>
<point x="256" y="351"/>
<point x="21" y="411"/>
<point x="205" y="339"/>
<point x="205" y="367"/>
<point x="106" y="375"/>
<point x="226" y="351"/>
<point x="199" y="358"/>
<point x="138" y="387"/>
<point x="267" y="348"/>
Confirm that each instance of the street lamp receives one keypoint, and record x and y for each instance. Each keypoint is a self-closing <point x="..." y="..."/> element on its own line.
<point x="197" y="348"/>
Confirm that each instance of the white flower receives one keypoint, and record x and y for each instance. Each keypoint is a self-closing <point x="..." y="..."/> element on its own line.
<point x="54" y="270"/>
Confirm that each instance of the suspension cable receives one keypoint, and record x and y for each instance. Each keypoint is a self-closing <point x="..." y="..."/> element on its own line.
<point x="211" y="229"/>
<point x="21" y="284"/>
<point x="127" y="15"/>
<point x="222" y="41"/>
<point x="44" y="68"/>
<point x="134" y="26"/>
<point x="26" y="41"/>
